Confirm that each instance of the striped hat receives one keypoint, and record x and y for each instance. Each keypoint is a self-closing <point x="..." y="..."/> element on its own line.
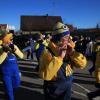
<point x="61" y="29"/>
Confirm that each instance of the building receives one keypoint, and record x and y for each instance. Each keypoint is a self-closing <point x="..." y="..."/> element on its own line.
<point x="90" y="32"/>
<point x="35" y="24"/>
<point x="71" y="27"/>
<point x="3" y="26"/>
<point x="6" y="27"/>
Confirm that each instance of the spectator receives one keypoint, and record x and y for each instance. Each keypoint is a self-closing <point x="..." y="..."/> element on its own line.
<point x="30" y="51"/>
<point x="96" y="48"/>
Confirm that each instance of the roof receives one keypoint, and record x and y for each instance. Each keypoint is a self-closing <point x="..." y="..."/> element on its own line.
<point x="3" y="26"/>
<point x="39" y="23"/>
<point x="71" y="28"/>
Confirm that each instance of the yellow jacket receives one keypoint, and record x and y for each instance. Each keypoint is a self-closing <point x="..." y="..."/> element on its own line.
<point x="3" y="54"/>
<point x="50" y="64"/>
<point x="97" y="67"/>
<point x="97" y="61"/>
<point x="37" y="45"/>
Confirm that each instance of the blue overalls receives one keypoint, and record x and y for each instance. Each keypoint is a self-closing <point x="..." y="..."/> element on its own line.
<point x="10" y="75"/>
<point x="60" y="88"/>
<point x="38" y="53"/>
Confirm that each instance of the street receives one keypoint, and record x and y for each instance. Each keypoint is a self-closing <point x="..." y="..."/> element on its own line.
<point x="31" y="85"/>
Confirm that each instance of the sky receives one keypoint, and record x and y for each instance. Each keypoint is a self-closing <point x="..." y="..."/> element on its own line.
<point x="79" y="13"/>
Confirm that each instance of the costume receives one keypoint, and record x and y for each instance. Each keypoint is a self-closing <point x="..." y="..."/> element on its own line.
<point x="0" y="51"/>
<point x="39" y="46"/>
<point x="57" y="71"/>
<point x="97" y="63"/>
<point x="9" y="66"/>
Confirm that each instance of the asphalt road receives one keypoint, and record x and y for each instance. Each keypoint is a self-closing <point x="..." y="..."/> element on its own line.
<point x="31" y="85"/>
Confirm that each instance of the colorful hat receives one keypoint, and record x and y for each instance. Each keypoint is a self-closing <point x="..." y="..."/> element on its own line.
<point x="61" y="28"/>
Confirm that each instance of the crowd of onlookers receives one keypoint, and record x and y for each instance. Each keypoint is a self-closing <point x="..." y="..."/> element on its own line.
<point x="83" y="44"/>
<point x="56" y="54"/>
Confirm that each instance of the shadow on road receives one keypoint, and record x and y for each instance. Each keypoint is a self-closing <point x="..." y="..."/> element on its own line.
<point x="28" y="64"/>
<point x="84" y="81"/>
<point x="93" y="94"/>
<point x="83" y="75"/>
<point x="30" y="74"/>
<point x="84" y="78"/>
<point x="31" y="85"/>
<point x="26" y="94"/>
<point x="75" y="98"/>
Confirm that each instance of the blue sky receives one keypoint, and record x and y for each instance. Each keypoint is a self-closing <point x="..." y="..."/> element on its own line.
<point x="80" y="13"/>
